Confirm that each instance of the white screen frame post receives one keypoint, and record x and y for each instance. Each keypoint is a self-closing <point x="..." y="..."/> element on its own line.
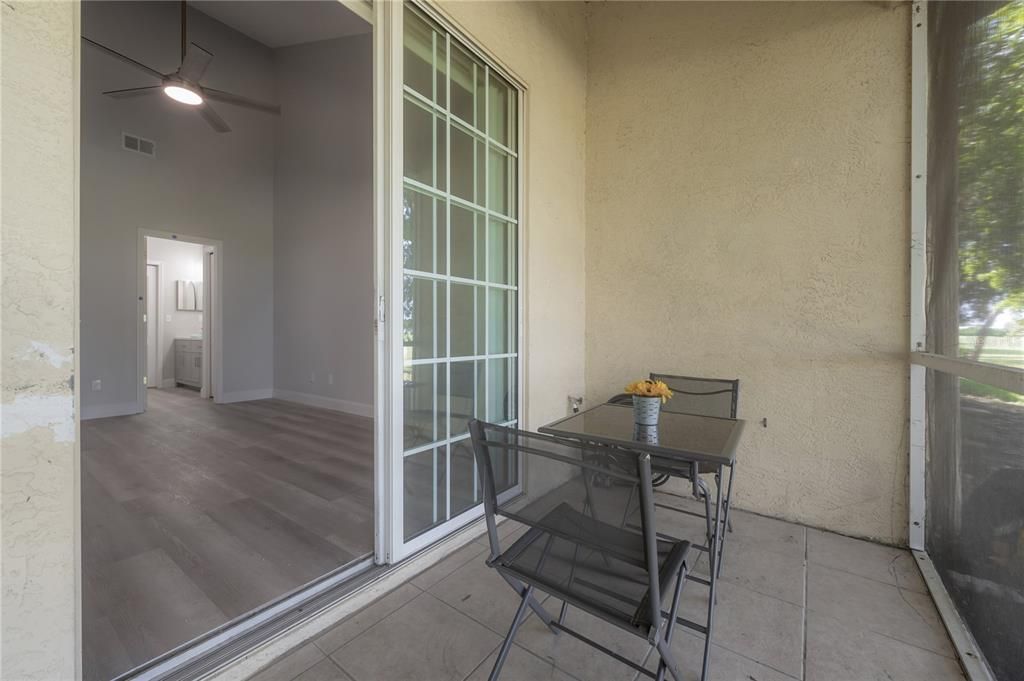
<point x="971" y="657"/>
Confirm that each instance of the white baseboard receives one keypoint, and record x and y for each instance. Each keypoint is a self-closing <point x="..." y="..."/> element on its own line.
<point x="245" y="396"/>
<point x="102" y="411"/>
<point x="332" y="403"/>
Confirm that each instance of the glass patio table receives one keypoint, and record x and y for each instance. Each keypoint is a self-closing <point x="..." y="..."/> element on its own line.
<point x="683" y="446"/>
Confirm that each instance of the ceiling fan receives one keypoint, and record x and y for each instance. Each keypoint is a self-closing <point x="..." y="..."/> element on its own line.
<point x="183" y="85"/>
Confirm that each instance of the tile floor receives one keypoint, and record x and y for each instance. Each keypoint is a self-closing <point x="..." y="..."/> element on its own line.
<point x="795" y="603"/>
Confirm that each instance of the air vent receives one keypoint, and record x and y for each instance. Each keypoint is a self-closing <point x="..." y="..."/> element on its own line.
<point x="140" y="145"/>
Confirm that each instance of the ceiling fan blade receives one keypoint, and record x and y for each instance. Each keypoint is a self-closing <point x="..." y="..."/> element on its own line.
<point x="126" y="59"/>
<point x="213" y="118"/>
<point x="133" y="91"/>
<point x="195" y="63"/>
<point x="222" y="96"/>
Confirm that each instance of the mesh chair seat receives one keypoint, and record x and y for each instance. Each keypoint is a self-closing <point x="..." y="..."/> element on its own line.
<point x="599" y="566"/>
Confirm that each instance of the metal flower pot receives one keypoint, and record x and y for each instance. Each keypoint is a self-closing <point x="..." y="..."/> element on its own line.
<point x="646" y="410"/>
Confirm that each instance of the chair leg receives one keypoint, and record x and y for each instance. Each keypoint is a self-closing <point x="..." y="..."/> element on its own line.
<point x="670" y="628"/>
<point x="537" y="608"/>
<point x="705" y="493"/>
<point x="725" y="502"/>
<point x="669" y="660"/>
<point x="507" y="643"/>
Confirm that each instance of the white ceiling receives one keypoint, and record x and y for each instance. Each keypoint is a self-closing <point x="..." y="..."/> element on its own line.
<point x="285" y="22"/>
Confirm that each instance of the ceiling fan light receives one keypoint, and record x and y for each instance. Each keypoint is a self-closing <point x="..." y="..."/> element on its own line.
<point x="183" y="94"/>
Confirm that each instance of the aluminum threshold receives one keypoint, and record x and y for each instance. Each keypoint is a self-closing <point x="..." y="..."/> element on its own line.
<point x="972" y="660"/>
<point x="216" y="648"/>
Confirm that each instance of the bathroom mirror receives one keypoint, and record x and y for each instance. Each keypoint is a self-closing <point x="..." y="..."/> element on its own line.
<point x="190" y="295"/>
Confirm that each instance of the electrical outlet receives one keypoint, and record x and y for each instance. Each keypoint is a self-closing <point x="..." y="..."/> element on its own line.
<point x="97" y="385"/>
<point x="330" y="379"/>
<point x="312" y="377"/>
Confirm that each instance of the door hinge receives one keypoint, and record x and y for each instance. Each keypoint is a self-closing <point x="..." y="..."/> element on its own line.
<point x="145" y="318"/>
<point x="380" y="309"/>
<point x="145" y="380"/>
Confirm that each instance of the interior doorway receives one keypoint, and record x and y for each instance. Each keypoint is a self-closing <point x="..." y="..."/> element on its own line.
<point x="178" y="317"/>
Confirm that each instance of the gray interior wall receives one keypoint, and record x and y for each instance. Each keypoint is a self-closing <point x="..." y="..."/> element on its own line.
<point x="323" y="223"/>
<point x="200" y="183"/>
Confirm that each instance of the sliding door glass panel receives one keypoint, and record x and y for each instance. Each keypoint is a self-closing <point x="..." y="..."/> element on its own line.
<point x="468" y="170"/>
<point x="468" y="244"/>
<point x="502" y="107"/>
<point x="424" y="232"/>
<point x="426" y="495"/>
<point x="460" y="253"/>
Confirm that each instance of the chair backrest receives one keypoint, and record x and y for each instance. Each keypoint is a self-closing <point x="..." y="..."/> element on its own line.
<point x="570" y="480"/>
<point x="702" y="396"/>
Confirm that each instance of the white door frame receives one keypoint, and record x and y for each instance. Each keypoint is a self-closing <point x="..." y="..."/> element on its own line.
<point x="212" y="323"/>
<point x="387" y="404"/>
<point x="157" y="322"/>
<point x="391" y="546"/>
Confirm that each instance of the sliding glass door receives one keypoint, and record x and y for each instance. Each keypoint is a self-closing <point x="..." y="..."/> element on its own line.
<point x="459" y="254"/>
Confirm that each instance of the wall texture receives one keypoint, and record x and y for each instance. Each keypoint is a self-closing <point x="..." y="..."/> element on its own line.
<point x="323" y="224"/>
<point x="544" y="44"/>
<point x="747" y="216"/>
<point x="38" y="467"/>
<point x="201" y="183"/>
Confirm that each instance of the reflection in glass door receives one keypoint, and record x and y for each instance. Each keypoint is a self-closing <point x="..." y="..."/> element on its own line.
<point x="460" y="265"/>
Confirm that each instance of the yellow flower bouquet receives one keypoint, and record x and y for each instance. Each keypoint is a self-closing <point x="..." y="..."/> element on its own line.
<point x="649" y="388"/>
<point x="648" y="396"/>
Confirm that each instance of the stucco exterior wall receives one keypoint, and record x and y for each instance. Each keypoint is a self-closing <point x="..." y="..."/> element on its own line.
<point x="747" y="216"/>
<point x="38" y="472"/>
<point x="543" y="43"/>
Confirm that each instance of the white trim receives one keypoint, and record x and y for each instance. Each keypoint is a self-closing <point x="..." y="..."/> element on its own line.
<point x="1007" y="378"/>
<point x="918" y="269"/>
<point x="246" y="395"/>
<point x="158" y="380"/>
<point x="971" y="658"/>
<point x="387" y="132"/>
<point x="209" y="311"/>
<point x="102" y="411"/>
<point x="323" y="402"/>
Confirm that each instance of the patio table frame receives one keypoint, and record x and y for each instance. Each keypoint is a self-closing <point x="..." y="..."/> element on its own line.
<point x="683" y="456"/>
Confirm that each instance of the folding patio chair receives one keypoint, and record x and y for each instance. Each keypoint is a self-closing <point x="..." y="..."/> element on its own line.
<point x="573" y="547"/>
<point x="704" y="397"/>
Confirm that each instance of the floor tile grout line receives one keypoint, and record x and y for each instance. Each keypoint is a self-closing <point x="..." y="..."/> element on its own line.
<point x="803" y="620"/>
<point x="375" y="601"/>
<point x="870" y="579"/>
<point x="746" y="657"/>
<point x="951" y="656"/>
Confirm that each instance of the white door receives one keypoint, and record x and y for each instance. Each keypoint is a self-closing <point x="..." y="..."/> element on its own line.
<point x="153" y="378"/>
<point x="458" y="349"/>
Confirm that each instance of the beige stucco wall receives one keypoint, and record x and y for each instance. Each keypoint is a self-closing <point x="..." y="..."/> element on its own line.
<point x="747" y="216"/>
<point x="543" y="43"/>
<point x="38" y="459"/>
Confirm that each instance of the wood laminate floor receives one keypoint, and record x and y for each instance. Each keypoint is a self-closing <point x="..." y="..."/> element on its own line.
<point x="195" y="513"/>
